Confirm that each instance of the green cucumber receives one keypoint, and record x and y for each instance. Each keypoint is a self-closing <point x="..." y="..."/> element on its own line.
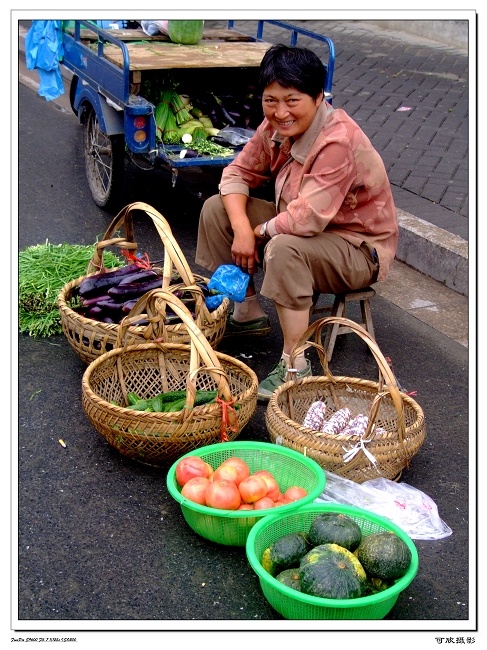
<point x="205" y="396"/>
<point x="177" y="405"/>
<point x="141" y="405"/>
<point x="158" y="403"/>
<point x="202" y="397"/>
<point x="132" y="399"/>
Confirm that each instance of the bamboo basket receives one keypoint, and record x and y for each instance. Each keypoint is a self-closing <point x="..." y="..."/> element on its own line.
<point x="150" y="368"/>
<point x="91" y="338"/>
<point x="377" y="453"/>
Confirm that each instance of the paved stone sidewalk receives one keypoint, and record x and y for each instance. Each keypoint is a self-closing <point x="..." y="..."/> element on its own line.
<point x="410" y="95"/>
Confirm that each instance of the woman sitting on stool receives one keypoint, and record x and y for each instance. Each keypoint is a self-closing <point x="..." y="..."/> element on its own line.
<point x="332" y="227"/>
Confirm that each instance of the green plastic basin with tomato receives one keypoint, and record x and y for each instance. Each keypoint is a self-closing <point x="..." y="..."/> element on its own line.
<point x="232" y="527"/>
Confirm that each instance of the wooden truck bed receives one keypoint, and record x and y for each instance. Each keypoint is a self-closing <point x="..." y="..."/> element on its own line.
<point x="218" y="49"/>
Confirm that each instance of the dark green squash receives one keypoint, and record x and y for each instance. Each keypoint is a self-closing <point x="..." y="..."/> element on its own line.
<point x="335" y="528"/>
<point x="376" y="585"/>
<point x="384" y="555"/>
<point x="285" y="553"/>
<point x="185" y="32"/>
<point x="290" y="578"/>
<point x="331" y="571"/>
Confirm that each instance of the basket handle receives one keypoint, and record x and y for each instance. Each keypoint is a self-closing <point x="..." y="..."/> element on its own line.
<point x="387" y="380"/>
<point x="151" y="307"/>
<point x="203" y="314"/>
<point x="173" y="255"/>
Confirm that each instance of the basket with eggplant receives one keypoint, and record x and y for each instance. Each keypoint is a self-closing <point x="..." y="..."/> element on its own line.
<point x="92" y="306"/>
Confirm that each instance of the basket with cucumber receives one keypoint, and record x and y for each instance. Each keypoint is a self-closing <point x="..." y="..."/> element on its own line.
<point x="92" y="306"/>
<point x="156" y="401"/>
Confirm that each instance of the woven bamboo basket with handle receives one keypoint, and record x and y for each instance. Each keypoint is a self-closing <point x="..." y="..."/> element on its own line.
<point x="396" y="424"/>
<point x="91" y="338"/>
<point x="156" y="366"/>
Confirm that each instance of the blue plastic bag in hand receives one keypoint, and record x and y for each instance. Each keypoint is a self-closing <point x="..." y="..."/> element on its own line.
<point x="231" y="281"/>
<point x="213" y="302"/>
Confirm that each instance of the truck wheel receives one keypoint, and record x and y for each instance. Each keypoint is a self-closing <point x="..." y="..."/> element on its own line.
<point x="104" y="160"/>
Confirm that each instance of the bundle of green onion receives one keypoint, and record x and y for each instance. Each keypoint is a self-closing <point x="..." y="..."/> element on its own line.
<point x="44" y="269"/>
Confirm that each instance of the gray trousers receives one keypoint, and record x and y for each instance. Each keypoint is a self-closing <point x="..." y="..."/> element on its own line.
<point x="295" y="268"/>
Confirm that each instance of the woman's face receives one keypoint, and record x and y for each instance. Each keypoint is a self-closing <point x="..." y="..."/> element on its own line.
<point x="288" y="110"/>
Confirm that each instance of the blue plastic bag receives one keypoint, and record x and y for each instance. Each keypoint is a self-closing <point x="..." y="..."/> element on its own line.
<point x="43" y="51"/>
<point x="230" y="281"/>
<point x="213" y="302"/>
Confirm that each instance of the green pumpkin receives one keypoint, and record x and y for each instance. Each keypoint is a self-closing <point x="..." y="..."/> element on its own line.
<point x="285" y="553"/>
<point x="331" y="571"/>
<point x="186" y="32"/>
<point x="290" y="578"/>
<point x="376" y="585"/>
<point x="335" y="528"/>
<point x="384" y="555"/>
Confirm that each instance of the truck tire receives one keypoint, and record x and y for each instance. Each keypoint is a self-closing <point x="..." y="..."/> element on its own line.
<point x="104" y="162"/>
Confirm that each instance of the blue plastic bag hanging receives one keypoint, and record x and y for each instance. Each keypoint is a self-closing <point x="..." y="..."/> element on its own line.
<point x="43" y="51"/>
<point x="230" y="281"/>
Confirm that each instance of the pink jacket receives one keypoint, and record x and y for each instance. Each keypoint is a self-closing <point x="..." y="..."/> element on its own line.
<point x="331" y="177"/>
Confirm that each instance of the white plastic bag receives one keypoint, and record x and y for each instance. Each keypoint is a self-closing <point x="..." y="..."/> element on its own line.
<point x="414" y="511"/>
<point x="153" y="27"/>
<point x="234" y="135"/>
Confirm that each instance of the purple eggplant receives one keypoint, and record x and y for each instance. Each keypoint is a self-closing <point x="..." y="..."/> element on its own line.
<point x="140" y="276"/>
<point x="110" y="306"/>
<point x="89" y="302"/>
<point x="94" y="312"/>
<point x="129" y="305"/>
<point x="134" y="289"/>
<point x="98" y="284"/>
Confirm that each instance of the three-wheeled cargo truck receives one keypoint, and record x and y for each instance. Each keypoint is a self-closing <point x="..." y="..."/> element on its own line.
<point x="117" y="76"/>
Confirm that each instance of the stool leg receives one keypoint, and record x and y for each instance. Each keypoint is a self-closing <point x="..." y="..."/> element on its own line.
<point x="315" y="298"/>
<point x="332" y="332"/>
<point x="367" y="317"/>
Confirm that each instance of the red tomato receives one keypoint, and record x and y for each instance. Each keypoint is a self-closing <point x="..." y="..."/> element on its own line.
<point x="264" y="503"/>
<point x="295" y="492"/>
<point x="210" y="470"/>
<point x="195" y="489"/>
<point x="252" y="488"/>
<point x="263" y="472"/>
<point x="226" y="473"/>
<point x="223" y="495"/>
<point x="273" y="489"/>
<point x="190" y="467"/>
<point x="240" y="465"/>
<point x="245" y="506"/>
<point x="281" y="502"/>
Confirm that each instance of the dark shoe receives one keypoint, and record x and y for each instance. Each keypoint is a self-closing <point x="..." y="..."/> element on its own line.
<point x="277" y="377"/>
<point x="256" y="327"/>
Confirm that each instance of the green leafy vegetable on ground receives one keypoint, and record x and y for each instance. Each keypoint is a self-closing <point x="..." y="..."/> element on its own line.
<point x="44" y="269"/>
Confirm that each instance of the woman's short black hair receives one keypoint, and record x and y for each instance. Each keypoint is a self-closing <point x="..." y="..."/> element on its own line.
<point x="292" y="67"/>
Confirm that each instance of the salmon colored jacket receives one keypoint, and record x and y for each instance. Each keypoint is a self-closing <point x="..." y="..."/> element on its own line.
<point x="329" y="178"/>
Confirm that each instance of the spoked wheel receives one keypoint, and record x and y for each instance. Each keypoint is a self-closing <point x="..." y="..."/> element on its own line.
<point x="104" y="159"/>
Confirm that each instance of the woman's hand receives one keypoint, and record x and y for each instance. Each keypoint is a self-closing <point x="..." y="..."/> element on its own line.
<point x="244" y="250"/>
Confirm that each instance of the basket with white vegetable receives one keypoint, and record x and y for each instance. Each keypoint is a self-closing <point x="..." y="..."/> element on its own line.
<point x="353" y="427"/>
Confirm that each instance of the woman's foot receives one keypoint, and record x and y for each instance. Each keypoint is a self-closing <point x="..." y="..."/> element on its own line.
<point x="277" y="377"/>
<point x="255" y="327"/>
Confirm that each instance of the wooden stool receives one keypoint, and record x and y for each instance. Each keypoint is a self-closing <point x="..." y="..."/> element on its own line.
<point x="339" y="308"/>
